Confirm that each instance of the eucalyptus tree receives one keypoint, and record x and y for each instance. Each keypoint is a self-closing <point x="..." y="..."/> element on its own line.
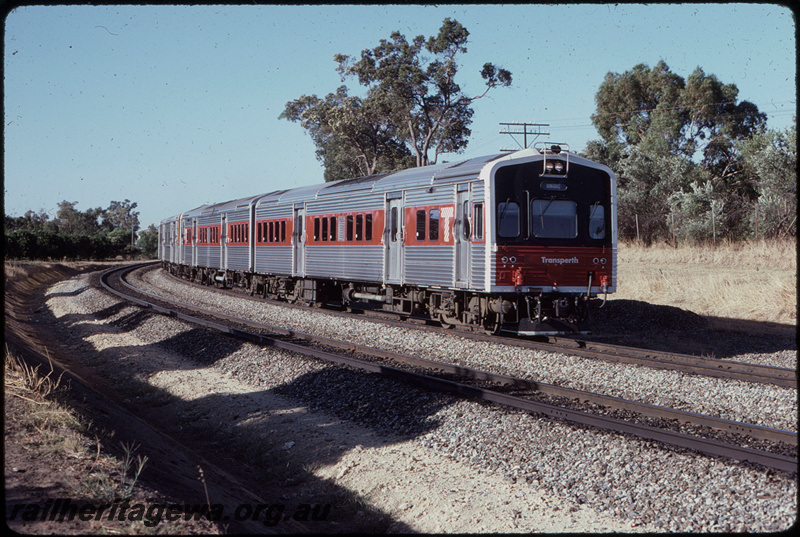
<point x="412" y="104"/>
<point x="71" y="221"/>
<point x="354" y="136"/>
<point x="640" y="107"/>
<point x="653" y="122"/>
<point x="660" y="111"/>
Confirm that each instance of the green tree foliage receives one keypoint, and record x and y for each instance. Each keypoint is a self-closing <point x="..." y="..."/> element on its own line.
<point x="121" y="214"/>
<point x="412" y="106"/>
<point x="30" y="221"/>
<point x="46" y="244"/>
<point x="354" y="136"/>
<point x="715" y="122"/>
<point x="646" y="181"/>
<point x="71" y="221"/>
<point x="73" y="234"/>
<point x="770" y="164"/>
<point x="696" y="213"/>
<point x="147" y="243"/>
<point x="688" y="151"/>
<point x="641" y="107"/>
<point x="661" y="112"/>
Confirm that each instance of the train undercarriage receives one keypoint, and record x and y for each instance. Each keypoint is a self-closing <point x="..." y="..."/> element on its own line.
<point x="528" y="314"/>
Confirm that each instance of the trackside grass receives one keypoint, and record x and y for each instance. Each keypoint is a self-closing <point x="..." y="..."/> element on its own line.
<point x="753" y="281"/>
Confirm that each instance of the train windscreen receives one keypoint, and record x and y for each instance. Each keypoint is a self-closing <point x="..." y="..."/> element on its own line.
<point x="536" y="209"/>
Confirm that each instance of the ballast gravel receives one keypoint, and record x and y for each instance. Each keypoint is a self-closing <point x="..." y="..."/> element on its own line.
<point x="735" y="400"/>
<point x="625" y="483"/>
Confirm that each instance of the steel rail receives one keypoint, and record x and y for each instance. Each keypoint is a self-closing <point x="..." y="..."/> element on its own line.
<point x="713" y="367"/>
<point x="616" y="403"/>
<point x="766" y="374"/>
<point x="707" y="446"/>
<point x="699" y="365"/>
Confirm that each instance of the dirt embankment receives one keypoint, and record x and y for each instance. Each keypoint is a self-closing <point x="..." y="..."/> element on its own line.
<point x="75" y="465"/>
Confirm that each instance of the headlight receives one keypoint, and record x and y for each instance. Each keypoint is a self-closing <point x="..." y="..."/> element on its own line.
<point x="559" y="166"/>
<point x="548" y="167"/>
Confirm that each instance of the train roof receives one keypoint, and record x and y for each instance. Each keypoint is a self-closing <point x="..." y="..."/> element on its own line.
<point x="301" y="193"/>
<point x="176" y="217"/>
<point x="447" y="172"/>
<point x="224" y="206"/>
<point x="411" y="177"/>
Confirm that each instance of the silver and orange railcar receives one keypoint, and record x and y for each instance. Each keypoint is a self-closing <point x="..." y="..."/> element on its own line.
<point x="515" y="241"/>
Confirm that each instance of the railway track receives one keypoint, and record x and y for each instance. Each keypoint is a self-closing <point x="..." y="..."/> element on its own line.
<point x="699" y="365"/>
<point x="645" y="421"/>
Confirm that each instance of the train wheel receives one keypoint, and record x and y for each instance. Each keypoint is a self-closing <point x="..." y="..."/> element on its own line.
<point x="447" y="321"/>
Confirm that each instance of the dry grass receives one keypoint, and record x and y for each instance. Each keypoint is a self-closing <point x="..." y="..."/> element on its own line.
<point x="41" y="413"/>
<point x="754" y="281"/>
<point x="58" y="458"/>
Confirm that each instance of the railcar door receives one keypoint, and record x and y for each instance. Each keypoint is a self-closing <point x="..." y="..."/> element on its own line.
<point x="223" y="243"/>
<point x="194" y="242"/>
<point x="299" y="241"/>
<point x="462" y="235"/>
<point x="176" y="242"/>
<point x="393" y="240"/>
<point x="171" y="240"/>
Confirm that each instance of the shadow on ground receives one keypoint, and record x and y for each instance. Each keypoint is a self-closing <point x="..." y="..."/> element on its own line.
<point x="259" y="447"/>
<point x="671" y="329"/>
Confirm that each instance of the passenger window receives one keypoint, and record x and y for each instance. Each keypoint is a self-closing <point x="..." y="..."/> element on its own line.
<point x="368" y="227"/>
<point x="325" y="230"/>
<point x="359" y="227"/>
<point x="349" y="231"/>
<point x="394" y="226"/>
<point x="283" y="230"/>
<point x="477" y="221"/>
<point x="508" y="219"/>
<point x="597" y="221"/>
<point x="466" y="217"/>
<point x="316" y="229"/>
<point x="333" y="229"/>
<point x="554" y="219"/>
<point x="421" y="225"/>
<point x="433" y="225"/>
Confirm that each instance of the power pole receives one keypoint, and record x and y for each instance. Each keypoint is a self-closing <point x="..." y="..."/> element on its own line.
<point x="524" y="132"/>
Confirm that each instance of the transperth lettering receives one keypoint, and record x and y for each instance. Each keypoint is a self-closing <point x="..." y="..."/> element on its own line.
<point x="560" y="260"/>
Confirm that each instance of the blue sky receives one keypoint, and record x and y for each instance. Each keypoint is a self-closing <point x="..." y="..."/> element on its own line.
<point x="176" y="106"/>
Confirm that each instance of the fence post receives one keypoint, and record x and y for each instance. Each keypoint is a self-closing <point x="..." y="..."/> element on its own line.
<point x="674" y="238"/>
<point x="638" y="239"/>
<point x="714" y="224"/>
<point x="756" y="237"/>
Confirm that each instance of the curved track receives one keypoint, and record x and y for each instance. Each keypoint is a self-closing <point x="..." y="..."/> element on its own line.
<point x="699" y="365"/>
<point x="513" y="392"/>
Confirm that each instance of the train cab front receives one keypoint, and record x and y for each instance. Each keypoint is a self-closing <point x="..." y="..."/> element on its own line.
<point x="555" y="239"/>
